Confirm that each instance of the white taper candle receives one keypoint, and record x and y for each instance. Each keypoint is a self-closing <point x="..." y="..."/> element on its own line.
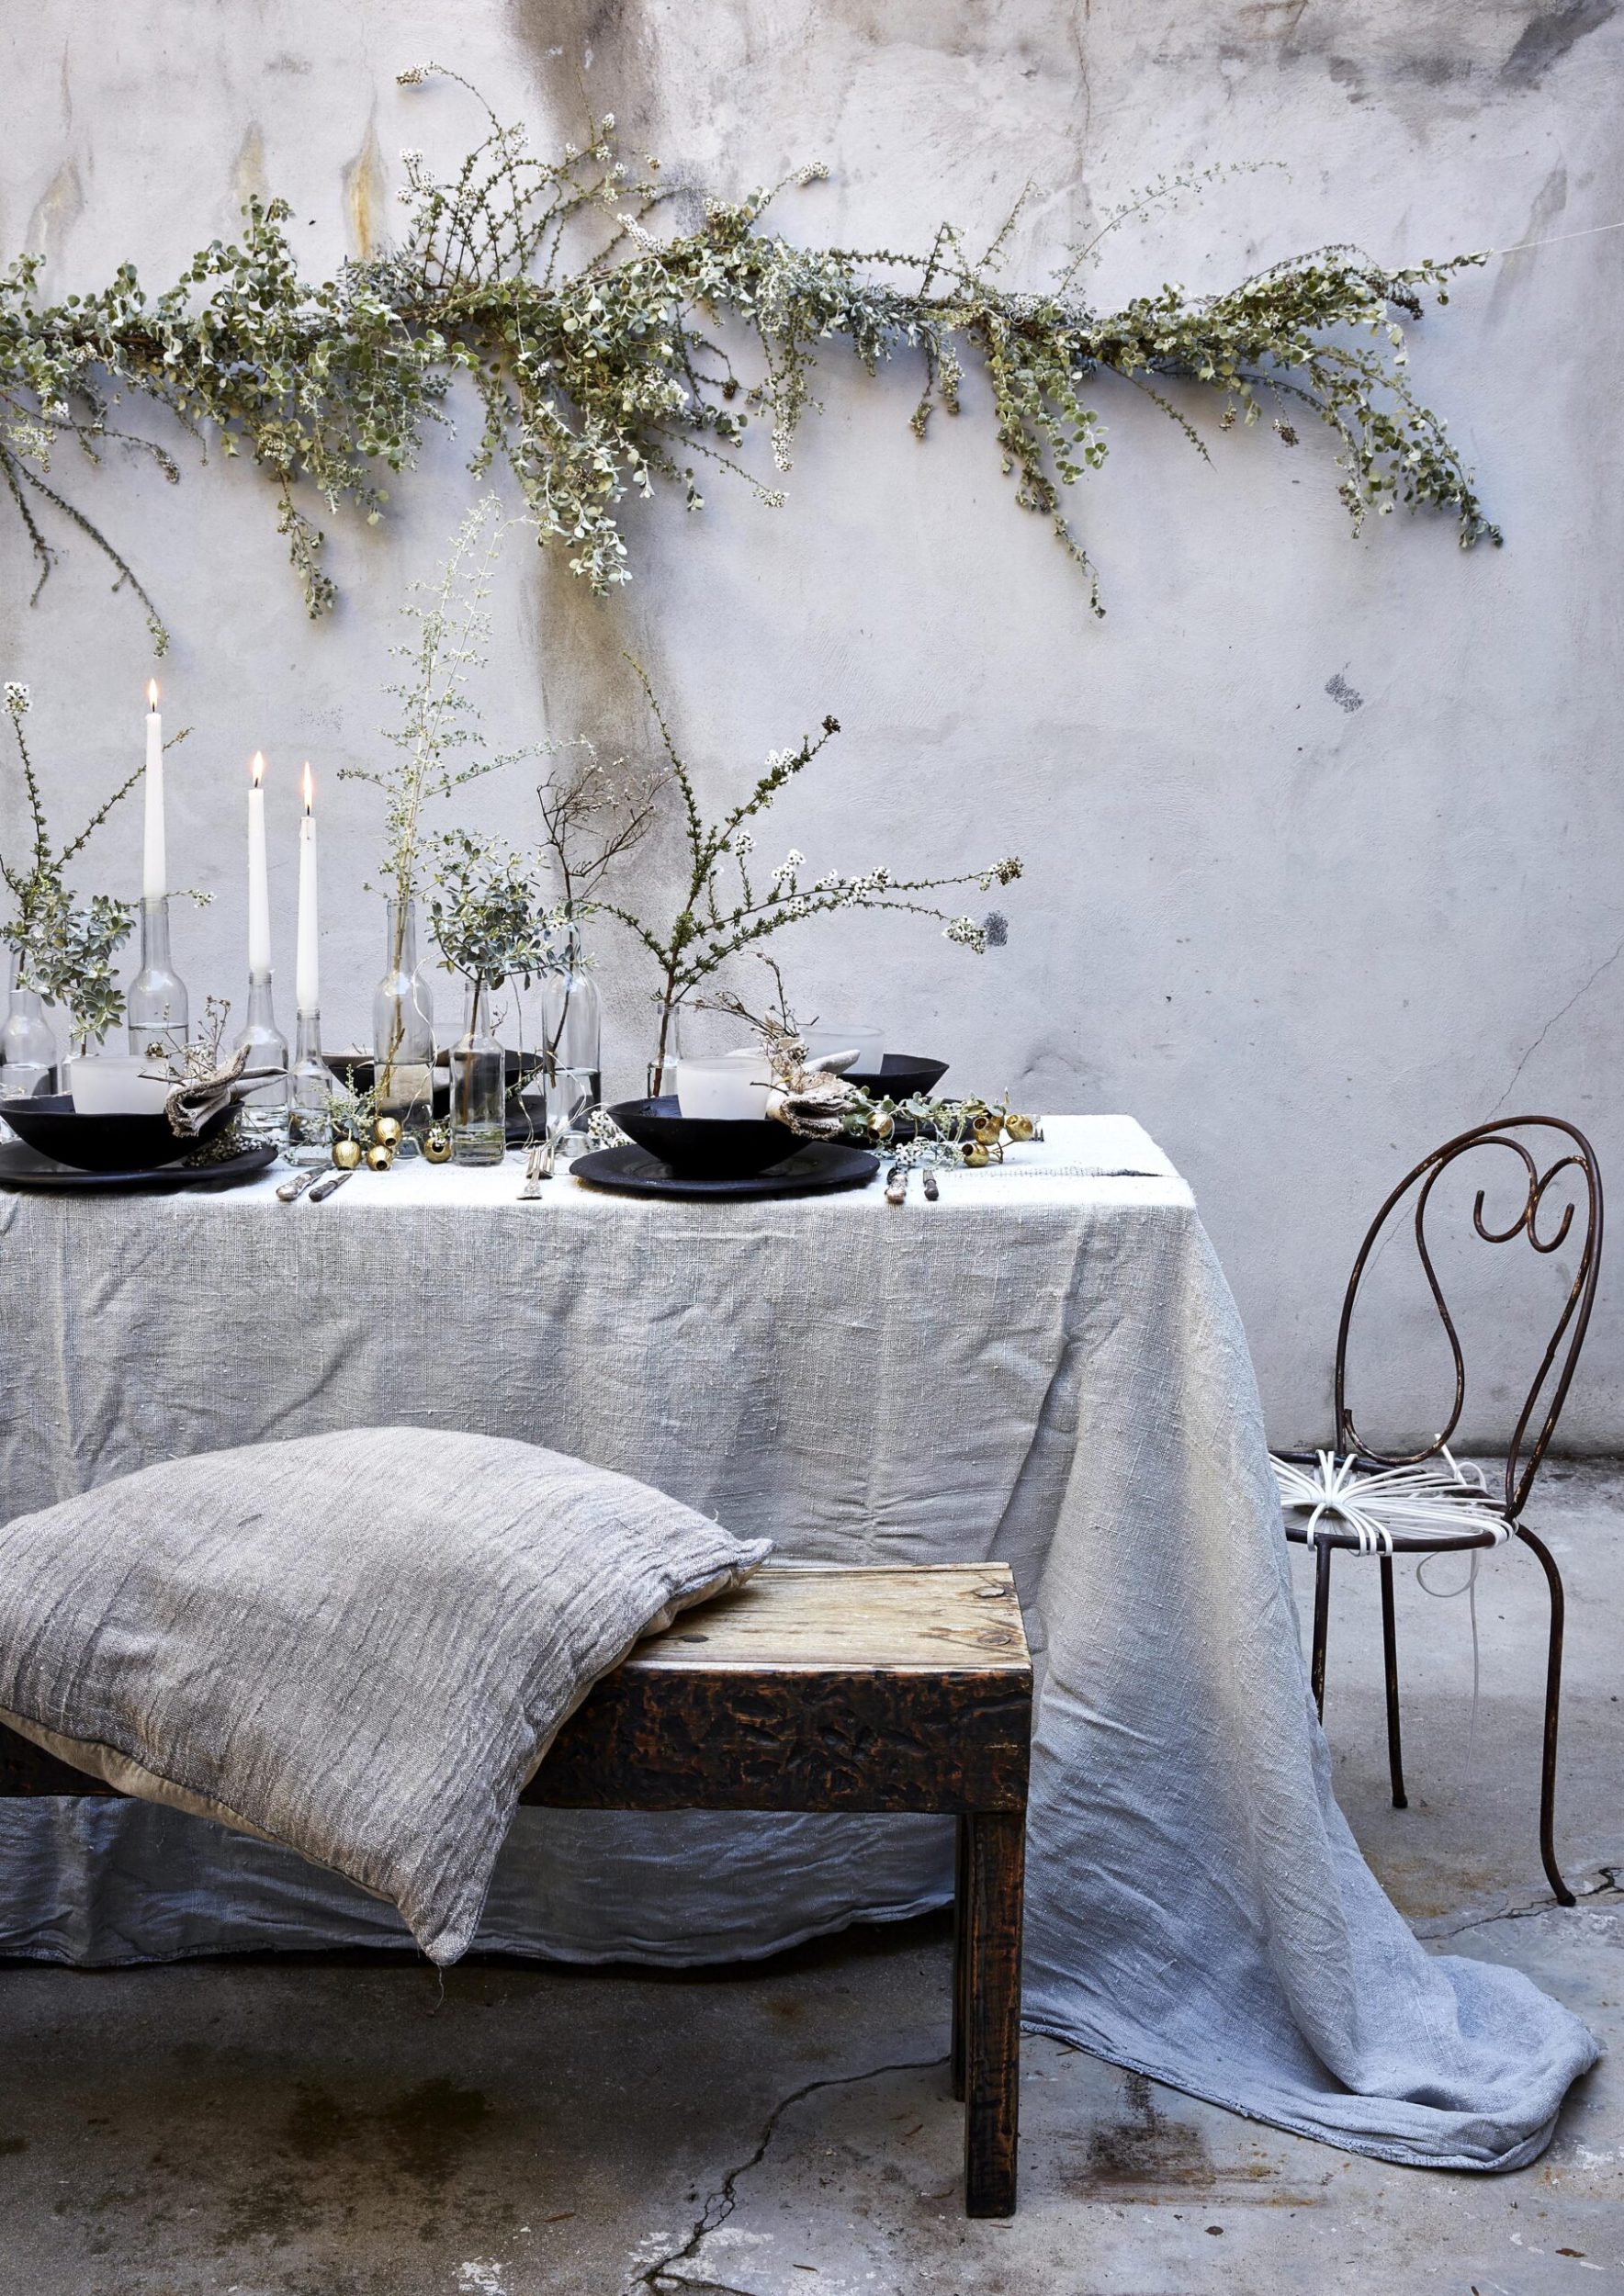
<point x="259" y="899"/>
<point x="306" y="977"/>
<point x="154" y="881"/>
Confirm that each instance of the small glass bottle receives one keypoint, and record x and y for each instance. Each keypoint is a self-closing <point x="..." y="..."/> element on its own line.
<point x="156" y="1005"/>
<point x="662" y="1071"/>
<point x="263" y="1112"/>
<point x="28" y="1047"/>
<point x="403" y="1032"/>
<point x="309" y="1122"/>
<point x="572" y="1040"/>
<point x="478" y="1080"/>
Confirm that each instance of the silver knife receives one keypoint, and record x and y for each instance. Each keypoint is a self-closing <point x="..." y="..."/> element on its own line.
<point x="292" y="1189"/>
<point x="323" y="1189"/>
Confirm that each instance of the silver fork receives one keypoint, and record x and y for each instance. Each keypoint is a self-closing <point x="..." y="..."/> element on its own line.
<point x="540" y="1163"/>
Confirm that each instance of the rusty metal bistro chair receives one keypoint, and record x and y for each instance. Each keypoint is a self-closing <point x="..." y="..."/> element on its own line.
<point x="1363" y="1500"/>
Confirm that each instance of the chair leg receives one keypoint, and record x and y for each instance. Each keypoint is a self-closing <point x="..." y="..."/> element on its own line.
<point x="1564" y="1896"/>
<point x="995" y="1866"/>
<point x="1321" y="1621"/>
<point x="1395" y="1760"/>
<point x="961" y="1953"/>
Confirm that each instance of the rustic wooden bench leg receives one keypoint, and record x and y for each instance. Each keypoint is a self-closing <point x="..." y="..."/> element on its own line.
<point x="995" y="1859"/>
<point x="961" y="1952"/>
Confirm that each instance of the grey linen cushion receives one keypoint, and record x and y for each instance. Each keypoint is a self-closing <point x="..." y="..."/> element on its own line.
<point x="360" y="1644"/>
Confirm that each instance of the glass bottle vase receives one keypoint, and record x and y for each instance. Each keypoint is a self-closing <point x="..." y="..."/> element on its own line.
<point x="662" y="1069"/>
<point x="263" y="1110"/>
<point x="310" y="1124"/>
<point x="478" y="1085"/>
<point x="28" y="1046"/>
<point x="403" y="1029"/>
<point x="572" y="1040"/>
<point x="156" y="1006"/>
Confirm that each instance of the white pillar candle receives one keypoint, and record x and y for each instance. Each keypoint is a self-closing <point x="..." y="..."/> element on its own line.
<point x="259" y="899"/>
<point x="306" y="979"/>
<point x="154" y="881"/>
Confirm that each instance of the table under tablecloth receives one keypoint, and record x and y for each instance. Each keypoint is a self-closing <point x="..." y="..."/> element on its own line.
<point x="1046" y="1367"/>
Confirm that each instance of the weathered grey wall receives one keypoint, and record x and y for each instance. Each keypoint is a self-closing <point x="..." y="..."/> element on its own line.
<point x="1323" y="839"/>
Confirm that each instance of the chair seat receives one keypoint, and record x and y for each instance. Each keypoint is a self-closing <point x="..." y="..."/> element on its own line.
<point x="1339" y="1499"/>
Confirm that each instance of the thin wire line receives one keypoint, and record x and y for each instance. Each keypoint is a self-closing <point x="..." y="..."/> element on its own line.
<point x="1522" y="245"/>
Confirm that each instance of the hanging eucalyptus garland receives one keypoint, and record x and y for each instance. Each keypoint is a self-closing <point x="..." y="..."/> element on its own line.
<point x="602" y="376"/>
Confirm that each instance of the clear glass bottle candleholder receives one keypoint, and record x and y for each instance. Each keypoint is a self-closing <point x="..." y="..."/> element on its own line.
<point x="156" y="1006"/>
<point x="309" y="1119"/>
<point x="571" y="1039"/>
<point x="478" y="1087"/>
<point x="263" y="1110"/>
<point x="403" y="1032"/>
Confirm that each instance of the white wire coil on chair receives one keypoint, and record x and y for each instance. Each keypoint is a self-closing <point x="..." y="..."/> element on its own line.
<point x="1435" y="1499"/>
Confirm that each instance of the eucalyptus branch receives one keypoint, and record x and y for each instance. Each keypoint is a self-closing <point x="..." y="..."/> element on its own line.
<point x="593" y="381"/>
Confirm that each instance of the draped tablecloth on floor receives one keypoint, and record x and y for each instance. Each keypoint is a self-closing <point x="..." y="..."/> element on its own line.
<point x="1046" y="1367"/>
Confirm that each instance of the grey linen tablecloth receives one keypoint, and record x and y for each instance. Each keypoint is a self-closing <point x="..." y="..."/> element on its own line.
<point x="1046" y="1367"/>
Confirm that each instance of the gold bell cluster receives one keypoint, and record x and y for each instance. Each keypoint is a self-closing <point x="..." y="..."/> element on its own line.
<point x="990" y="1128"/>
<point x="376" y="1153"/>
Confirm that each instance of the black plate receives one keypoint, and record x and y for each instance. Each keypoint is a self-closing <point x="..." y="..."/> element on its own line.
<point x="902" y="1075"/>
<point x="21" y="1167"/>
<point x="815" y="1169"/>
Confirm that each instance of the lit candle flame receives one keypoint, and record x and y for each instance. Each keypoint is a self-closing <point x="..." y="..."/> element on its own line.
<point x="309" y="787"/>
<point x="259" y="768"/>
<point x="152" y="693"/>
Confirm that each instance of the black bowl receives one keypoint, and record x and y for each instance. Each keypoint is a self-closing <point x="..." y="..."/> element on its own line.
<point x="704" y="1147"/>
<point x="51" y="1126"/>
<point x="900" y="1075"/>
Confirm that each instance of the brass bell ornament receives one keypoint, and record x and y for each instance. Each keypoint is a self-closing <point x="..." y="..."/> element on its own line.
<point x="436" y="1144"/>
<point x="346" y="1155"/>
<point x="386" y="1132"/>
<point x="378" y="1158"/>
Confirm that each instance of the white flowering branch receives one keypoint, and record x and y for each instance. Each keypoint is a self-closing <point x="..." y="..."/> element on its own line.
<point x="712" y="925"/>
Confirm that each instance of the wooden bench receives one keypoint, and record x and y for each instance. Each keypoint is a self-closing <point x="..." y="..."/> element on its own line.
<point x="821" y="1688"/>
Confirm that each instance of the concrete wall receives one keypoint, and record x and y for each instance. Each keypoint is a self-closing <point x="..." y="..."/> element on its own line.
<point x="1324" y="849"/>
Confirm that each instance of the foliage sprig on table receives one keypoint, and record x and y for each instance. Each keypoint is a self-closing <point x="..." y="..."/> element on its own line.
<point x="437" y="734"/>
<point x="485" y="913"/>
<point x="600" y="377"/>
<point x="725" y="909"/>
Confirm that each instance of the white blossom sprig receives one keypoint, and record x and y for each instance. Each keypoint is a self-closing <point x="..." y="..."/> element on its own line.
<point x="723" y="910"/>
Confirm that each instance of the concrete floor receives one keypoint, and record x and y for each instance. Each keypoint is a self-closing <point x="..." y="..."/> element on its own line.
<point x="337" y="2128"/>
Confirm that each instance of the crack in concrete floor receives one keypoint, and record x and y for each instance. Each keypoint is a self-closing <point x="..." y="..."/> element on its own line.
<point x="720" y="2204"/>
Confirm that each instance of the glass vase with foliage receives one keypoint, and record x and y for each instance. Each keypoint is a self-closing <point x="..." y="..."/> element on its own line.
<point x="439" y="747"/>
<point x="490" y="926"/>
